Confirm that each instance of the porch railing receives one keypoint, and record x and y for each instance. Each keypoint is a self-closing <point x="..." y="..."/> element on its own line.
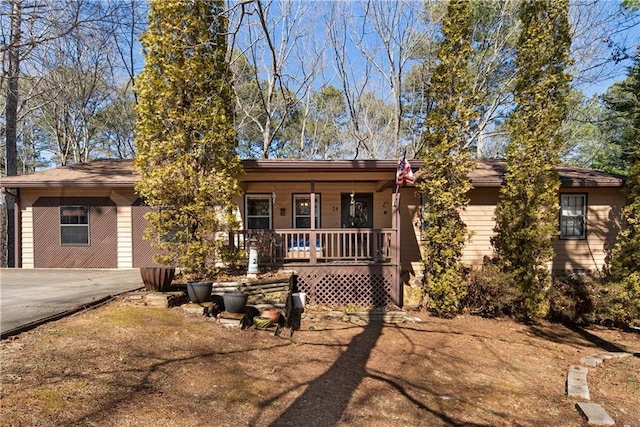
<point x="319" y="246"/>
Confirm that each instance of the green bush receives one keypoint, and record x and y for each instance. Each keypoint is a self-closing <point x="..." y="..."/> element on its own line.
<point x="489" y="291"/>
<point x="588" y="299"/>
<point x="572" y="298"/>
<point x="619" y="302"/>
<point x="444" y="293"/>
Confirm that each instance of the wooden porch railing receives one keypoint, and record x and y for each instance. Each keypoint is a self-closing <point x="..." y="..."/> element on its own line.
<point x="319" y="246"/>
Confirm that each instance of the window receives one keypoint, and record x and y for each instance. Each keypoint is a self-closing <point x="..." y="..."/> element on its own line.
<point x="258" y="211"/>
<point x="74" y="225"/>
<point x="573" y="216"/>
<point x="302" y="211"/>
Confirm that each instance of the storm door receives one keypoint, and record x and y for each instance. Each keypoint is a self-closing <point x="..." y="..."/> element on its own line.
<point x="357" y="210"/>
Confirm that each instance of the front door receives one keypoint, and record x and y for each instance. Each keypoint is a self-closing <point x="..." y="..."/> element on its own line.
<point x="357" y="210"/>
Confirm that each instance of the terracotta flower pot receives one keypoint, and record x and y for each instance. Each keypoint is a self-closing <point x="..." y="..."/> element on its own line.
<point x="271" y="313"/>
<point x="157" y="279"/>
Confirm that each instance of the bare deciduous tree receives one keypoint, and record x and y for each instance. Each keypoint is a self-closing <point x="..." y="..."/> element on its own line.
<point x="282" y="67"/>
<point x="76" y="86"/>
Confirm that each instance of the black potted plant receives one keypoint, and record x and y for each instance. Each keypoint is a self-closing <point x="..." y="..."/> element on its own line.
<point x="199" y="292"/>
<point x="235" y="301"/>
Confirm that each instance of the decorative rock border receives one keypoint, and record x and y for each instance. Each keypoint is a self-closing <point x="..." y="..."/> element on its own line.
<point x="577" y="387"/>
<point x="157" y="299"/>
<point x="361" y="317"/>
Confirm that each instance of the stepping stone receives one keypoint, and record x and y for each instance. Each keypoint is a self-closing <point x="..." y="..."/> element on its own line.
<point x="229" y="323"/>
<point x="591" y="361"/>
<point x="605" y="356"/>
<point x="577" y="383"/>
<point x="619" y="354"/>
<point x="612" y="355"/>
<point x="595" y="414"/>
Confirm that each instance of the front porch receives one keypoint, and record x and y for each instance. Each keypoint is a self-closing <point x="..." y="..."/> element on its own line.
<point x="333" y="266"/>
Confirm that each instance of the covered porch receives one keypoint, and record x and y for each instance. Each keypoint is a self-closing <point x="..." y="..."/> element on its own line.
<point x="335" y="223"/>
<point x="359" y="266"/>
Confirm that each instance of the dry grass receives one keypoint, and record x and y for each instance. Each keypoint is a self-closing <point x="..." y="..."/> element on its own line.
<point x="127" y="365"/>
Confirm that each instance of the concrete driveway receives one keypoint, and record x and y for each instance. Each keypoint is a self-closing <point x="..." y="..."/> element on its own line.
<point x="29" y="297"/>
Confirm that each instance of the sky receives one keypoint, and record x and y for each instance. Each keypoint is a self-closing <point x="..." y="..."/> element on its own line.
<point x="597" y="39"/>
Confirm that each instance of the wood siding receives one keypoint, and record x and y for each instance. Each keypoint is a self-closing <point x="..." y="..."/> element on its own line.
<point x="330" y="201"/>
<point x="125" y="237"/>
<point x="480" y="219"/>
<point x="603" y="212"/>
<point x="27" y="238"/>
<point x="142" y="250"/>
<point x="101" y="252"/>
<point x="410" y="230"/>
<point x="40" y="241"/>
<point x="603" y="223"/>
<point x="589" y="254"/>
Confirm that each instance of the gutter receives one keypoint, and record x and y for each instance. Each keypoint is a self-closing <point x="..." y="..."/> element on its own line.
<point x="80" y="184"/>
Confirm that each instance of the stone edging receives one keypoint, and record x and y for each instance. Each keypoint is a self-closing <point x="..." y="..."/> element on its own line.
<point x="577" y="387"/>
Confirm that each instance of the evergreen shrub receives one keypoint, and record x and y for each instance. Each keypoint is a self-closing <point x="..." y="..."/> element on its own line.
<point x="572" y="298"/>
<point x="489" y="291"/>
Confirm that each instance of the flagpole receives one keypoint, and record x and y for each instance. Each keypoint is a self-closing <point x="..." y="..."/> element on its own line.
<point x="397" y="192"/>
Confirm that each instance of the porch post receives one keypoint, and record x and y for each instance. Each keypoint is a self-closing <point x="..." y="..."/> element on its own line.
<point x="313" y="205"/>
<point x="396" y="290"/>
<point x="312" y="233"/>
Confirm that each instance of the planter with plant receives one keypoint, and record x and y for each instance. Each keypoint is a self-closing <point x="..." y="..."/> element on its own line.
<point x="199" y="292"/>
<point x="235" y="301"/>
<point x="272" y="313"/>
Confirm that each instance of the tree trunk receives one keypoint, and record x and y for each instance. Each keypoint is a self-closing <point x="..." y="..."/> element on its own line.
<point x="11" y="114"/>
<point x="11" y="117"/>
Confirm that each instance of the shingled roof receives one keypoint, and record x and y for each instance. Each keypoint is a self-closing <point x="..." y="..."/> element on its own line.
<point x="120" y="173"/>
<point x="97" y="173"/>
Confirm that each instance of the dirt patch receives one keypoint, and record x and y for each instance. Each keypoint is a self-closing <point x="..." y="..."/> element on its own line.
<point x="129" y="365"/>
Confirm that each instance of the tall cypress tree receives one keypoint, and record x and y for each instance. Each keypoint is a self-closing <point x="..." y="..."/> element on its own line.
<point x="527" y="213"/>
<point x="185" y="133"/>
<point x="447" y="165"/>
<point x="625" y="260"/>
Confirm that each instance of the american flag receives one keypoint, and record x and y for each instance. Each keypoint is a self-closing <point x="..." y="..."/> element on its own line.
<point x="404" y="174"/>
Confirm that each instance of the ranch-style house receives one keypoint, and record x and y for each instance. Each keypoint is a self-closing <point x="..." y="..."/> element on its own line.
<point x="350" y="234"/>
